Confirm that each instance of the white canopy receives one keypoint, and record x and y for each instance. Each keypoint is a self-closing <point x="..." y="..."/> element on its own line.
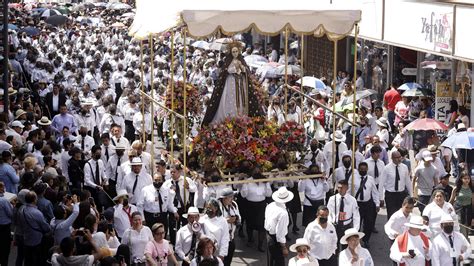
<point x="205" y="17"/>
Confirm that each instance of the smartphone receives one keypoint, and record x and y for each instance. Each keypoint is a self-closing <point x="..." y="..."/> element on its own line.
<point x="110" y="227"/>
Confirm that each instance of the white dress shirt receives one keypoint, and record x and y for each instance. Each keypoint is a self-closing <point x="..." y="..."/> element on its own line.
<point x="184" y="193"/>
<point x="434" y="213"/>
<point x="110" y="149"/>
<point x="340" y="174"/>
<point x="387" y="179"/>
<point x="144" y="180"/>
<point x="345" y="257"/>
<point x="370" y="190"/>
<point x="371" y="168"/>
<point x="415" y="243"/>
<point x="228" y="212"/>
<point x="136" y="241"/>
<point x="351" y="210"/>
<point x="315" y="189"/>
<point x="64" y="163"/>
<point x="184" y="238"/>
<point x="329" y="153"/>
<point x="122" y="140"/>
<point x="88" y="143"/>
<point x="90" y="174"/>
<point x="443" y="253"/>
<point x="149" y="201"/>
<point x="113" y="165"/>
<point x="121" y="218"/>
<point x="277" y="220"/>
<point x="396" y="224"/>
<point x="319" y="159"/>
<point x="218" y="229"/>
<point x="325" y="239"/>
<point x="256" y="192"/>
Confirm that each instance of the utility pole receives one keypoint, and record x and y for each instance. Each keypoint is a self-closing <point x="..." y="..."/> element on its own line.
<point x="4" y="48"/>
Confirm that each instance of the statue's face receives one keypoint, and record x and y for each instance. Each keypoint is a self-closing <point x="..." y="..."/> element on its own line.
<point x="235" y="52"/>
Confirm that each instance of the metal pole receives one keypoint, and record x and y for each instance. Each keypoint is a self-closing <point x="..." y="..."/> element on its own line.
<point x="171" y="122"/>
<point x="6" y="73"/>
<point x="185" y="122"/>
<point x="302" y="75"/>
<point x="142" y="88"/>
<point x="334" y="79"/>
<point x="286" y="72"/>
<point x="356" y="31"/>
<point x="152" y="109"/>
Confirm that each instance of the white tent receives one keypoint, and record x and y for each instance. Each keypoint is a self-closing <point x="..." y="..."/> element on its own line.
<point x="206" y="17"/>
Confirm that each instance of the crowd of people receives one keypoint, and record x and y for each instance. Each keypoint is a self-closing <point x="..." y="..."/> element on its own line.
<point x="81" y="181"/>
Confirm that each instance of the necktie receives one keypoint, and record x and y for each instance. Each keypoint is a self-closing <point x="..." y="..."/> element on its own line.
<point x="348" y="175"/>
<point x="116" y="168"/>
<point x="337" y="155"/>
<point x="97" y="173"/>
<point x="160" y="201"/>
<point x="135" y="184"/>
<point x="376" y="170"/>
<point x="177" y="197"/>
<point x="341" y="209"/>
<point x="107" y="153"/>
<point x="83" y="144"/>
<point x="452" y="247"/>
<point x="362" y="186"/>
<point x="193" y="246"/>
<point x="397" y="178"/>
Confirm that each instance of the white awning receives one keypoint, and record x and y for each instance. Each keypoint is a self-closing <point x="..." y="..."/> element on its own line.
<point x="205" y="17"/>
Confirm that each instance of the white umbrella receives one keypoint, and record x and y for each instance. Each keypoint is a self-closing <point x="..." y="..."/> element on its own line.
<point x="255" y="60"/>
<point x="312" y="82"/>
<point x="201" y="45"/>
<point x="291" y="70"/>
<point x="360" y="95"/>
<point x="128" y="15"/>
<point x="50" y="12"/>
<point x="118" y="6"/>
<point x="268" y="70"/>
<point x="294" y="45"/>
<point x="221" y="44"/>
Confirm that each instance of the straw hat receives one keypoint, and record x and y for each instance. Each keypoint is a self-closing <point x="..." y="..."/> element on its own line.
<point x="136" y="161"/>
<point x="227" y="192"/>
<point x="350" y="232"/>
<point x="191" y="210"/>
<point x="120" y="193"/>
<point x="446" y="218"/>
<point x="382" y="122"/>
<point x="19" y="113"/>
<point x="282" y="195"/>
<point x="44" y="121"/>
<point x="338" y="136"/>
<point x="300" y="242"/>
<point x="416" y="221"/>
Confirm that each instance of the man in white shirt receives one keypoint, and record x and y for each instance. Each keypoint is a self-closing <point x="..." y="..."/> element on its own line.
<point x="95" y="179"/>
<point x="156" y="201"/>
<point x="341" y="147"/>
<point x="450" y="247"/>
<point x="183" y="189"/>
<point x="276" y="224"/>
<point x="375" y="163"/>
<point x="396" y="224"/>
<point x="322" y="234"/>
<point x="367" y="195"/>
<point x="394" y="184"/>
<point x="343" y="210"/>
<point x="344" y="172"/>
<point x="413" y="247"/>
<point x="123" y="212"/>
<point x="84" y="142"/>
<point x="113" y="165"/>
<point x="188" y="236"/>
<point x="136" y="180"/>
<point x="425" y="176"/>
<point x="314" y="190"/>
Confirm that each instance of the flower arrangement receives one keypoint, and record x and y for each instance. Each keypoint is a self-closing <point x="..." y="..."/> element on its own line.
<point x="252" y="138"/>
<point x="193" y="99"/>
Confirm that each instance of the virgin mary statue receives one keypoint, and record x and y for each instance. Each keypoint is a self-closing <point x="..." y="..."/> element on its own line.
<point x="234" y="94"/>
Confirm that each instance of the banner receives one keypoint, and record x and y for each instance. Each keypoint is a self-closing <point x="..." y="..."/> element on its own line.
<point x="444" y="94"/>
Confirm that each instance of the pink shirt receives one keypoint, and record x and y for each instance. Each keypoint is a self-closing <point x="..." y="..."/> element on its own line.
<point x="402" y="110"/>
<point x="159" y="251"/>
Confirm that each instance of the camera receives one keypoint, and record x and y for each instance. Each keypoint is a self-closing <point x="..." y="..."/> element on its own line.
<point x="80" y="232"/>
<point x="412" y="253"/>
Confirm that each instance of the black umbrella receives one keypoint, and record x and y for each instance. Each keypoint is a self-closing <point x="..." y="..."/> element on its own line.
<point x="31" y="31"/>
<point x="57" y="20"/>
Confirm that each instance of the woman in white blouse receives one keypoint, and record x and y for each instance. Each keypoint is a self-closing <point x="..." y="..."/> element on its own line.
<point x="436" y="209"/>
<point x="216" y="227"/>
<point x="205" y="253"/>
<point x="354" y="254"/>
<point x="136" y="238"/>
<point x="382" y="133"/>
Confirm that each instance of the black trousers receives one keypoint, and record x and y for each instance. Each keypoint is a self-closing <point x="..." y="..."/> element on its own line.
<point x="393" y="201"/>
<point x="20" y="253"/>
<point x="153" y="218"/>
<point x="332" y="261"/>
<point x="5" y="243"/>
<point x="274" y="254"/>
<point x="100" y="198"/>
<point x="368" y="213"/>
<point x="230" y="254"/>
<point x="33" y="255"/>
<point x="340" y="229"/>
<point x="309" y="212"/>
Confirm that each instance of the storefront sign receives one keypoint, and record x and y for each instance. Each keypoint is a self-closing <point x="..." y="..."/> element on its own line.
<point x="409" y="71"/>
<point x="420" y="25"/>
<point x="444" y="94"/>
<point x="464" y="32"/>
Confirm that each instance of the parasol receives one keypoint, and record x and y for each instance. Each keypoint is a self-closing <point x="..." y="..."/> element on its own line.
<point x="255" y="60"/>
<point x="460" y="140"/>
<point x="426" y="124"/>
<point x="360" y="95"/>
<point x="57" y="20"/>
<point x="221" y="44"/>
<point x="201" y="45"/>
<point x="312" y="82"/>
<point x="409" y="86"/>
<point x="31" y="31"/>
<point x="50" y="12"/>
<point x="291" y="70"/>
<point x="416" y="92"/>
